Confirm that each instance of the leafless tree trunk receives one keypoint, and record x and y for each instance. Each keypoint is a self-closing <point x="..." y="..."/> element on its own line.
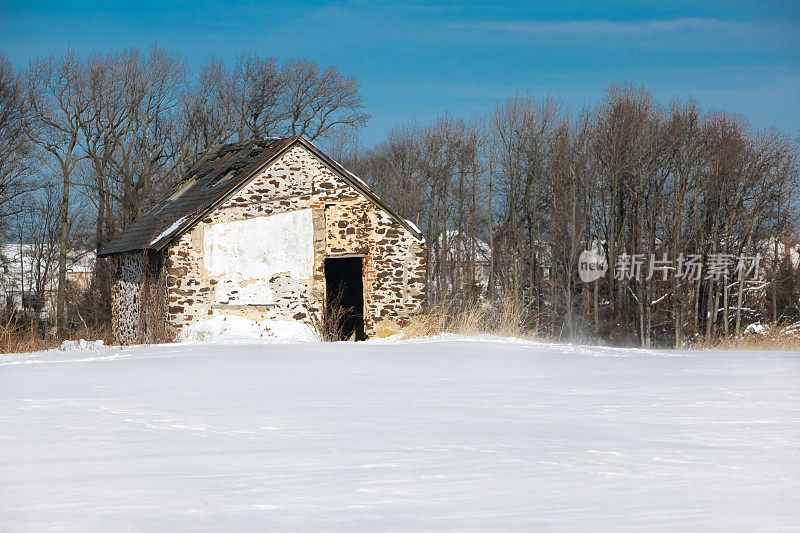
<point x="56" y="94"/>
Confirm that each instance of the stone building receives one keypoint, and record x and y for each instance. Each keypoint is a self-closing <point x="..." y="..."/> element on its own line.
<point x="266" y="230"/>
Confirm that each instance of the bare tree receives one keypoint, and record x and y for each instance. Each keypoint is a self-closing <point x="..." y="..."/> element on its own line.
<point x="39" y="228"/>
<point x="16" y="151"/>
<point x="56" y="95"/>
<point x="568" y="221"/>
<point x="392" y="169"/>
<point x="206" y="111"/>
<point x="512" y="196"/>
<point x="319" y="101"/>
<point x="257" y="99"/>
<point x="147" y="153"/>
<point x="254" y="92"/>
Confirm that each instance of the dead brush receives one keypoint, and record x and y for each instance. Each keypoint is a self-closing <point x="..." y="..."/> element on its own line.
<point x="776" y="338"/>
<point x="19" y="337"/>
<point x="328" y="320"/>
<point x="504" y="316"/>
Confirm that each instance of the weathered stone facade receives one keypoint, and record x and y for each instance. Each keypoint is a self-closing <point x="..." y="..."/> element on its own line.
<point x="138" y="301"/>
<point x="261" y="252"/>
<point x="126" y="297"/>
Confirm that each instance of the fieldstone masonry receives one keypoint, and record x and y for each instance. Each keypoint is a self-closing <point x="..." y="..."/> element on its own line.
<point x="296" y="187"/>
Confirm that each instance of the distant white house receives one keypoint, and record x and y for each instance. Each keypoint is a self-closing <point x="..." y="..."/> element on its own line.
<point x="468" y="257"/>
<point x="29" y="276"/>
<point x="781" y="248"/>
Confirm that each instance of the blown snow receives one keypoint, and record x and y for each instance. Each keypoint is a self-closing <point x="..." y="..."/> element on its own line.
<point x="452" y="434"/>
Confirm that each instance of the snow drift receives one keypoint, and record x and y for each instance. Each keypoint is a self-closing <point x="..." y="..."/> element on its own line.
<point x="452" y="434"/>
<point x="231" y="328"/>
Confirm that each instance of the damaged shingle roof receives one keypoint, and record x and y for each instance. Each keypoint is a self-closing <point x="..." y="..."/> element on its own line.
<point x="218" y="173"/>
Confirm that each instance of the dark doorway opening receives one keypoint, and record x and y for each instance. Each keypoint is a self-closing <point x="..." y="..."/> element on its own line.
<point x="344" y="297"/>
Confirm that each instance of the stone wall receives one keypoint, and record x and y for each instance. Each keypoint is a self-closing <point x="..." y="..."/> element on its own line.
<point x="394" y="260"/>
<point x="126" y="297"/>
<point x="138" y="299"/>
<point x="342" y="223"/>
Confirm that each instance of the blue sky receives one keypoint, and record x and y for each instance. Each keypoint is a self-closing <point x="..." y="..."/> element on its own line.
<point x="417" y="60"/>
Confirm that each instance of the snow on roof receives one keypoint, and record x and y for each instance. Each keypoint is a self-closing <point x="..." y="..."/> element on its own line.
<point x="218" y="172"/>
<point x="175" y="225"/>
<point x="413" y="226"/>
<point x="237" y="161"/>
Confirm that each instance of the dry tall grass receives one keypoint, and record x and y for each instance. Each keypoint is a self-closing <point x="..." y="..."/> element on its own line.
<point x="22" y="342"/>
<point x="20" y="337"/>
<point x="328" y="320"/>
<point x="503" y="316"/>
<point x="772" y="338"/>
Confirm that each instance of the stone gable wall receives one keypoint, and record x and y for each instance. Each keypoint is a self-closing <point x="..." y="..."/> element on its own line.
<point x="344" y="224"/>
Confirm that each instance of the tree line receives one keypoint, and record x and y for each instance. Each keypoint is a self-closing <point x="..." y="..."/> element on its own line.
<point x="508" y="201"/>
<point x="98" y="139"/>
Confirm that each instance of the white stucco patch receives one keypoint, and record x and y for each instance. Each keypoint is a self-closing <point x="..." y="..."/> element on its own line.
<point x="245" y="255"/>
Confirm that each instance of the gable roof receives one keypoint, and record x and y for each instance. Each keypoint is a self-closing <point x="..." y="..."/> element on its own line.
<point x="218" y="174"/>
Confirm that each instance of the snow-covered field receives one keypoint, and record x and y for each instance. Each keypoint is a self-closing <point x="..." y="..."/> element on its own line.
<point x="446" y="435"/>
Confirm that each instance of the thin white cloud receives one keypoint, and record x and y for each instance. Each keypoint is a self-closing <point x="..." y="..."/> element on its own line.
<point x="596" y="27"/>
